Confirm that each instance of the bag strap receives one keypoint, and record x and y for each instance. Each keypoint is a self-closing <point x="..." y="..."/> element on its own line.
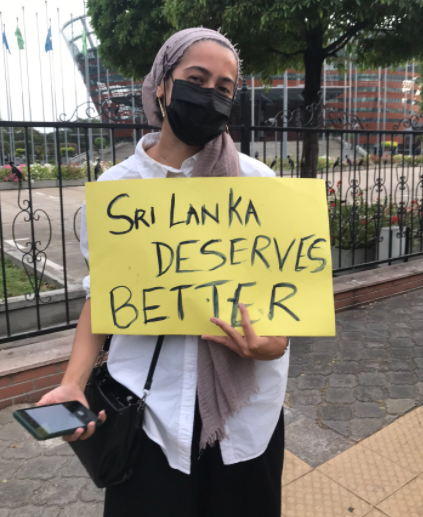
<point x="153" y="364"/>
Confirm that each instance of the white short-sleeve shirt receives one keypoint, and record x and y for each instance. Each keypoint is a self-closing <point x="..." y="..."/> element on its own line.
<point x="169" y="414"/>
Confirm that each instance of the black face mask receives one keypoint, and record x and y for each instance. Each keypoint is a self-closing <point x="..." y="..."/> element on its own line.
<point x="197" y="115"/>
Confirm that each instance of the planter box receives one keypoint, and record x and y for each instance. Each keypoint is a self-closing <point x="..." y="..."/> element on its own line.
<point x="11" y="185"/>
<point x="399" y="244"/>
<point x="23" y="313"/>
<point x="345" y="259"/>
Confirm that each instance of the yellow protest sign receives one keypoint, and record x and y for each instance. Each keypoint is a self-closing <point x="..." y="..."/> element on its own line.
<point x="166" y="255"/>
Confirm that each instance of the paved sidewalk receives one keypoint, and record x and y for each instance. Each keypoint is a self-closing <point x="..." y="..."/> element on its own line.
<point x="341" y="392"/>
<point x="380" y="476"/>
<point x="344" y="389"/>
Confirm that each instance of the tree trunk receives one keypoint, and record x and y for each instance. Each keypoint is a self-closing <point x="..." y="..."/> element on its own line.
<point x="313" y="61"/>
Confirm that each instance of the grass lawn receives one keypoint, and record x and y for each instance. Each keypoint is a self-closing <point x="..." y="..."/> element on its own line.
<point x="17" y="281"/>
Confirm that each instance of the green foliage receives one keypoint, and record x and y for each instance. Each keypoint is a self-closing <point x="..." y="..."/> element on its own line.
<point x="17" y="281"/>
<point x="271" y="36"/>
<point x="51" y="172"/>
<point x="6" y="145"/>
<point x="384" y="32"/>
<point x="357" y="221"/>
<point x="20" y="152"/>
<point x="390" y="144"/>
<point x="39" y="151"/>
<point x="325" y="161"/>
<point x="71" y="151"/>
<point x="97" y="142"/>
<point x="130" y="31"/>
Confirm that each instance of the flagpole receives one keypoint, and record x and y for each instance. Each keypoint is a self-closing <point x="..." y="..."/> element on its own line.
<point x="99" y="101"/>
<point x="87" y="85"/>
<point x="2" y="143"/>
<point x="76" y="93"/>
<point x="8" y="103"/>
<point x="42" y="92"/>
<point x="13" y="147"/>
<point x="63" y="89"/>
<point x="3" y="162"/>
<point x="20" y="72"/>
<point x="7" y="107"/>
<point x="29" y="91"/>
<point x="53" y="113"/>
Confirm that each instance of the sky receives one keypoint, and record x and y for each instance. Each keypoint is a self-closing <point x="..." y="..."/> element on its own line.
<point x="60" y="58"/>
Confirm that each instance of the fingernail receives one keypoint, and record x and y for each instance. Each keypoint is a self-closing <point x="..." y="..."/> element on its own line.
<point x="241" y="305"/>
<point x="213" y="320"/>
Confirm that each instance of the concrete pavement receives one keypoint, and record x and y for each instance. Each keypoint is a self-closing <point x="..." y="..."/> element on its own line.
<point x="341" y="391"/>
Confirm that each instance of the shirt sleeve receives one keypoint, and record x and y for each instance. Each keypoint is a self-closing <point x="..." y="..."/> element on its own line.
<point x="84" y="248"/>
<point x="252" y="167"/>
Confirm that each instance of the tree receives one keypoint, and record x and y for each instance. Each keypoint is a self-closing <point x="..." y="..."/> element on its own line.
<point x="131" y="32"/>
<point x="272" y="35"/>
<point x="98" y="142"/>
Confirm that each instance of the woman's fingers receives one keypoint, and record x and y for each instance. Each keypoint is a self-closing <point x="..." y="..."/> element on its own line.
<point x="89" y="431"/>
<point x="246" y="324"/>
<point x="230" y="331"/>
<point x="81" y="434"/>
<point x="223" y="340"/>
<point x="74" y="436"/>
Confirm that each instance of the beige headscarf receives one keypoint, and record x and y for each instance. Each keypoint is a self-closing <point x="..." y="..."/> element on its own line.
<point x="226" y="381"/>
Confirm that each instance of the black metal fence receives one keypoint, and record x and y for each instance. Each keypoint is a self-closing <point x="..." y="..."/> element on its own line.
<point x="375" y="209"/>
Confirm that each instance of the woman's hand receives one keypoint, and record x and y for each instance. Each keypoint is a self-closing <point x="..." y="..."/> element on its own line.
<point x="252" y="346"/>
<point x="66" y="393"/>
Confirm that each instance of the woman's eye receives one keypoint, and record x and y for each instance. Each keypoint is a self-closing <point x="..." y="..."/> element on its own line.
<point x="196" y="79"/>
<point x="224" y="90"/>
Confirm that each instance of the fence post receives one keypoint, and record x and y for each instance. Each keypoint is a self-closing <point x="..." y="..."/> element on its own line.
<point x="245" y="119"/>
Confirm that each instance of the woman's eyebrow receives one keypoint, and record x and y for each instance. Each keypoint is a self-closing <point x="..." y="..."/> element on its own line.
<point x="207" y="72"/>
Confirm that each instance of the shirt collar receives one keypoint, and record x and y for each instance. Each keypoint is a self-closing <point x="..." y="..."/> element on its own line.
<point x="149" y="168"/>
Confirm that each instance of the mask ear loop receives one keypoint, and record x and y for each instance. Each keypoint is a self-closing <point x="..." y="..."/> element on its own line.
<point x="165" y="71"/>
<point x="233" y="102"/>
<point x="163" y="109"/>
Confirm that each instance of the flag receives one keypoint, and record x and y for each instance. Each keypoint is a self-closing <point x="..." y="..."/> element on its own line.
<point x="5" y="41"/>
<point x="84" y="43"/>
<point x="19" y="38"/>
<point x="49" y="44"/>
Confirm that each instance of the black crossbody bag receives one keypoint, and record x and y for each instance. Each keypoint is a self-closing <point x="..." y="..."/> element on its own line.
<point x="111" y="453"/>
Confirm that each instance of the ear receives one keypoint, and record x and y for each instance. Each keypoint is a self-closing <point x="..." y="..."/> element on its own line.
<point x="160" y="90"/>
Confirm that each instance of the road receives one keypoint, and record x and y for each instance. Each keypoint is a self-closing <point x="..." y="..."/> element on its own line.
<point x="47" y="228"/>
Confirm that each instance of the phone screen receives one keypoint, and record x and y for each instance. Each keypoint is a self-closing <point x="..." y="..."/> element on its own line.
<point x="53" y="419"/>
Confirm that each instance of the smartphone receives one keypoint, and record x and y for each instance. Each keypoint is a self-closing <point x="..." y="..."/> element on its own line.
<point x="45" y="422"/>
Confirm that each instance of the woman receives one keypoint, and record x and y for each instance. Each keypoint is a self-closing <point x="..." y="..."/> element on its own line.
<point x="213" y="432"/>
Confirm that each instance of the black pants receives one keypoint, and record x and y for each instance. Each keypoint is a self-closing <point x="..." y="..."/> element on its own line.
<point x="247" y="489"/>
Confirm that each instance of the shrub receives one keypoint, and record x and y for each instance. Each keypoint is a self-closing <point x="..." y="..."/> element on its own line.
<point x="97" y="142"/>
<point x="20" y="152"/>
<point x="71" y="151"/>
<point x="324" y="162"/>
<point x="391" y="144"/>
